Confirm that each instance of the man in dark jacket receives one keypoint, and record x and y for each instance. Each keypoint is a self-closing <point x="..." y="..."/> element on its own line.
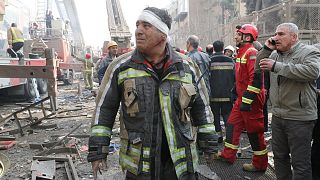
<point x="104" y="63"/>
<point x="222" y="79"/>
<point x="200" y="58"/>
<point x="160" y="104"/>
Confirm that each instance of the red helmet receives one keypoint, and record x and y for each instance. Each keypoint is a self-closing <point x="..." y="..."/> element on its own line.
<point x="249" y="29"/>
<point x="88" y="56"/>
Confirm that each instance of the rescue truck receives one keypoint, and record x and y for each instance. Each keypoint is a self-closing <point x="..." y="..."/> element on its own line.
<point x="60" y="39"/>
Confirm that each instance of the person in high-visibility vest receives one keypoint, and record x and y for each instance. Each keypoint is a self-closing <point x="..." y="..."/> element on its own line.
<point x="15" y="41"/>
<point x="87" y="70"/>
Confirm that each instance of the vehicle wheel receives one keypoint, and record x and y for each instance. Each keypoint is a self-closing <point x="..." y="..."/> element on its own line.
<point x="68" y="81"/>
<point x="42" y="85"/>
<point x="29" y="90"/>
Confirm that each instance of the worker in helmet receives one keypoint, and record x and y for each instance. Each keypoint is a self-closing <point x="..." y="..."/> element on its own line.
<point x="229" y="51"/>
<point x="247" y="112"/>
<point x="104" y="63"/>
<point x="87" y="70"/>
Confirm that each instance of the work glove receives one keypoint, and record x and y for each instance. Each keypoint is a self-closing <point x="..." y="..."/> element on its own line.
<point x="98" y="148"/>
<point x="95" y="155"/>
<point x="245" y="107"/>
<point x="208" y="142"/>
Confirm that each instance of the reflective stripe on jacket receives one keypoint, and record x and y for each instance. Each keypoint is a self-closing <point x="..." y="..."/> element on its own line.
<point x="151" y="105"/>
<point x="14" y="35"/>
<point x="222" y="77"/>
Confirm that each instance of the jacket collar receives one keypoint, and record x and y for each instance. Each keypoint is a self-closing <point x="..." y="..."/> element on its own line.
<point x="292" y="49"/>
<point x="171" y="57"/>
<point x="244" y="48"/>
<point x="217" y="53"/>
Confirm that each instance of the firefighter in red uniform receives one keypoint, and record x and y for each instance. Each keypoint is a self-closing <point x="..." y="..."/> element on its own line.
<point x="247" y="112"/>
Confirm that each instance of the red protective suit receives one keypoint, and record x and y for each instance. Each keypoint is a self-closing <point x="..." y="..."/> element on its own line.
<point x="250" y="91"/>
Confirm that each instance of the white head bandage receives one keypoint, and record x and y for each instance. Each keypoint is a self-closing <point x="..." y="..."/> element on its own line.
<point x="155" y="20"/>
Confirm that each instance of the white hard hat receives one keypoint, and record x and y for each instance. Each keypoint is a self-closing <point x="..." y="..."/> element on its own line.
<point x="230" y="48"/>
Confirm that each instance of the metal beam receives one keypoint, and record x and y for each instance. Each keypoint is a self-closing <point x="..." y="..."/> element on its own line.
<point x="17" y="71"/>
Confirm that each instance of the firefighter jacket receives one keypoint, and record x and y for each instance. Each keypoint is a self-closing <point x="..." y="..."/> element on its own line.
<point x="153" y="107"/>
<point x="249" y="84"/>
<point x="222" y="77"/>
<point x="293" y="82"/>
<point x="103" y="66"/>
<point x="14" y="35"/>
<point x="202" y="60"/>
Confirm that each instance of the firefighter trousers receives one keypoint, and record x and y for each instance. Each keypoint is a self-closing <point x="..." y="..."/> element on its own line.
<point x="220" y="109"/>
<point x="167" y="172"/>
<point x="253" y="122"/>
<point x="87" y="76"/>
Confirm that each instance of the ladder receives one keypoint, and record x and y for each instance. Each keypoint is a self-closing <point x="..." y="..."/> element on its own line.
<point x="42" y="7"/>
<point x="118" y="28"/>
<point x="68" y="12"/>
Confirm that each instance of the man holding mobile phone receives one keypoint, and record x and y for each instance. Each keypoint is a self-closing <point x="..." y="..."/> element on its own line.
<point x="294" y="68"/>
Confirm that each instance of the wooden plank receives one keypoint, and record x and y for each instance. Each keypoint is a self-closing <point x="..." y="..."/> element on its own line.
<point x="73" y="169"/>
<point x="52" y="82"/>
<point x="72" y="135"/>
<point x="68" y="171"/>
<point x="41" y="145"/>
<point x="7" y="138"/>
<point x="46" y="158"/>
<point x="61" y="150"/>
<point x="62" y="139"/>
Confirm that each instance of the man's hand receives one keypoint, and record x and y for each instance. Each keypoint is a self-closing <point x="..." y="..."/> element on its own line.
<point x="266" y="64"/>
<point x="96" y="166"/>
<point x="270" y="43"/>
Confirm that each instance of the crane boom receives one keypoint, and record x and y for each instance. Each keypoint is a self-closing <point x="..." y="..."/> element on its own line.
<point x="68" y="11"/>
<point x="119" y="30"/>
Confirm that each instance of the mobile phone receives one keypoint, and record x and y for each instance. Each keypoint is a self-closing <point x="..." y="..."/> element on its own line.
<point x="273" y="42"/>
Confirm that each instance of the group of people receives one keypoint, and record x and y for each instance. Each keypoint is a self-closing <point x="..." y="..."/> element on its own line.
<point x="167" y="100"/>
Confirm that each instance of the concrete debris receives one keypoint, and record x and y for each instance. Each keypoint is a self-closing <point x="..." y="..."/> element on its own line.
<point x="43" y="169"/>
<point x="205" y="171"/>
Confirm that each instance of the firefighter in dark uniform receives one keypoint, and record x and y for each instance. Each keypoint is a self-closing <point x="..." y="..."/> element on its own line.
<point x="160" y="104"/>
<point x="221" y="83"/>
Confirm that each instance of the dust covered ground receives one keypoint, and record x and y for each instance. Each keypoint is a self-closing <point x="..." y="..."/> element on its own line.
<point x="75" y="107"/>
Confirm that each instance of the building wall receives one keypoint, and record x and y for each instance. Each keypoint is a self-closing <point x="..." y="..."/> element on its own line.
<point x="204" y="18"/>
